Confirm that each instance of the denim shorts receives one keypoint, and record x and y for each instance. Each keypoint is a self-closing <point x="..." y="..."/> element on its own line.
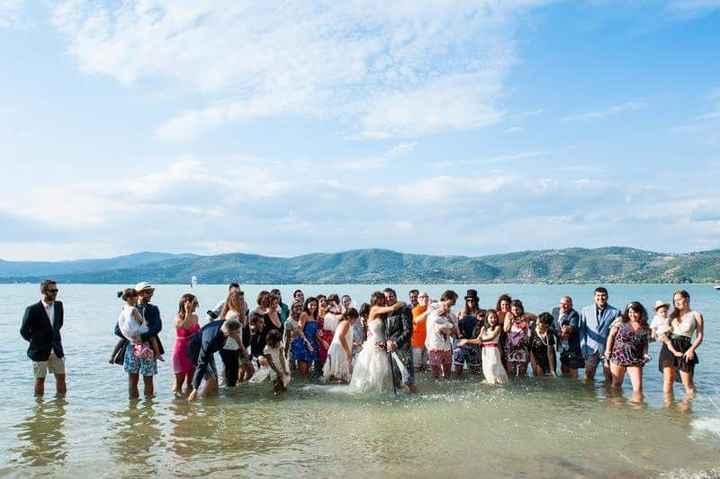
<point x="468" y="354"/>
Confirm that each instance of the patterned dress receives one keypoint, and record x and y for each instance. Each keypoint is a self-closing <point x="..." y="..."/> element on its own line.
<point x="629" y="346"/>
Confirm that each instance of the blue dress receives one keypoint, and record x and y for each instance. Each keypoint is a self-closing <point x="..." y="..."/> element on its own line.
<point x="300" y="350"/>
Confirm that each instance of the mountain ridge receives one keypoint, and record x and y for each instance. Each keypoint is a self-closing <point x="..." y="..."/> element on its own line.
<point x="612" y="264"/>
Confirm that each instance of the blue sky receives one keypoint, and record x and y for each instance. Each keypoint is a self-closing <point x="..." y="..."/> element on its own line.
<point x="439" y="126"/>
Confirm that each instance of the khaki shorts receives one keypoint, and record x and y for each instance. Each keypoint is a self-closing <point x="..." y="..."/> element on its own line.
<point x="54" y="364"/>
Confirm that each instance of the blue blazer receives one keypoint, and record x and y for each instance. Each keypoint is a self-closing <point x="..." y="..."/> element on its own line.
<point x="594" y="331"/>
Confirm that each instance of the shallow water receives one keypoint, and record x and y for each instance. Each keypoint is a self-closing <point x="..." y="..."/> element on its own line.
<point x="532" y="428"/>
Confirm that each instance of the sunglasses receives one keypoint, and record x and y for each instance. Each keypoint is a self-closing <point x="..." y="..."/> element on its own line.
<point x="52" y="290"/>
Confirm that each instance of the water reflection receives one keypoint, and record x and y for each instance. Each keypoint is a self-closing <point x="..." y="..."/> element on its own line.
<point x="135" y="435"/>
<point x="41" y="435"/>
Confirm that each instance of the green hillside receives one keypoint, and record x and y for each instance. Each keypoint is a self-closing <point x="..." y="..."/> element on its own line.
<point x="612" y="264"/>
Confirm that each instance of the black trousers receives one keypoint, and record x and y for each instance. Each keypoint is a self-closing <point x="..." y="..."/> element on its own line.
<point x="230" y="362"/>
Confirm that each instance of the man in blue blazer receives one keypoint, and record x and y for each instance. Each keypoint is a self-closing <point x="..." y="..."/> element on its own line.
<point x="41" y="326"/>
<point x="595" y="322"/>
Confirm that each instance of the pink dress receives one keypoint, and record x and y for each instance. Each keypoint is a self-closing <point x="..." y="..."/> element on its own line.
<point x="181" y="355"/>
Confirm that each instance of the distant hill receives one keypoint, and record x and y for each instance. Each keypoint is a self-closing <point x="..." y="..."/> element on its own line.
<point x="50" y="268"/>
<point x="572" y="265"/>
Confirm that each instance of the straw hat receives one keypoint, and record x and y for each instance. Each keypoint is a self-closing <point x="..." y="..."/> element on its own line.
<point x="144" y="286"/>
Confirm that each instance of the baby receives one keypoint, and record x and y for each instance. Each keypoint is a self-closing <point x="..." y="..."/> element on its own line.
<point x="660" y="324"/>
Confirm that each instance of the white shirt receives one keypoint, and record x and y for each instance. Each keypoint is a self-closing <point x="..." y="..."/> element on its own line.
<point x="437" y="325"/>
<point x="230" y="343"/>
<point x="660" y="325"/>
<point x="49" y="310"/>
<point x="129" y="327"/>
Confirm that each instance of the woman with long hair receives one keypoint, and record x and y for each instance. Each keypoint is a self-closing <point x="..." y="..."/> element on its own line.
<point x="306" y="353"/>
<point x="186" y="324"/>
<point x="678" y="354"/>
<point x="234" y="354"/>
<point x="517" y="340"/>
<point x="627" y="346"/>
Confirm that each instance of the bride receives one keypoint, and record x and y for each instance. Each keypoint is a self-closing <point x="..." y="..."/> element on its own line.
<point x="371" y="371"/>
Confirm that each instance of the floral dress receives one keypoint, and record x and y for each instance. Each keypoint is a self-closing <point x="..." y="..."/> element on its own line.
<point x="516" y="349"/>
<point x="629" y="347"/>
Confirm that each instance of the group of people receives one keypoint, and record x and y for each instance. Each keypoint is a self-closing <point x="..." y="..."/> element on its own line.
<point x="380" y="345"/>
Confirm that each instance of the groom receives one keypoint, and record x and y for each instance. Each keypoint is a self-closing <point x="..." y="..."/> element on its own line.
<point x="398" y="332"/>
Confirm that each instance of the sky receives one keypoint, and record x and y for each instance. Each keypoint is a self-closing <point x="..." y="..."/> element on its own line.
<point x="425" y="126"/>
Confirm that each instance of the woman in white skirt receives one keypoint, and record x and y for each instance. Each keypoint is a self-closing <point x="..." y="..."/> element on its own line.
<point x="338" y="366"/>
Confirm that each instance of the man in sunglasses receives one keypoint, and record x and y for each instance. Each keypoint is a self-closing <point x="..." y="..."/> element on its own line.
<point x="41" y="328"/>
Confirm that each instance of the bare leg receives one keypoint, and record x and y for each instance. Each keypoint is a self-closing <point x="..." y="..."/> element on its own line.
<point x="687" y="380"/>
<point x="447" y="371"/>
<point x="211" y="387"/>
<point x="148" y="386"/>
<point x="188" y="380"/>
<point x="636" y="378"/>
<point x="608" y="374"/>
<point x="617" y="375"/>
<point x="459" y="370"/>
<point x="179" y="379"/>
<point x="668" y="380"/>
<point x="436" y="371"/>
<point x="39" y="386"/>
<point x="133" y="380"/>
<point x="60" y="385"/>
<point x="590" y="368"/>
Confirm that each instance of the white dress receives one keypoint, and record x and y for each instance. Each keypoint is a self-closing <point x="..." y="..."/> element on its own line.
<point x="337" y="365"/>
<point x="492" y="366"/>
<point x="265" y="373"/>
<point x="371" y="371"/>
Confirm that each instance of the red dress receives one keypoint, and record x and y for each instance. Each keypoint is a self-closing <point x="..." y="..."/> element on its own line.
<point x="182" y="363"/>
<point x="327" y="336"/>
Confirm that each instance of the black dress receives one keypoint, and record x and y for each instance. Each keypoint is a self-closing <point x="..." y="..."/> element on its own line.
<point x="540" y="349"/>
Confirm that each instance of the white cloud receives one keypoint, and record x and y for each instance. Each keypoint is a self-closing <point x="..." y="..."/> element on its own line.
<point x="398" y="69"/>
<point x="374" y="162"/>
<point x="611" y="111"/>
<point x="441" y="189"/>
<point x="10" y="12"/>
<point x="461" y="102"/>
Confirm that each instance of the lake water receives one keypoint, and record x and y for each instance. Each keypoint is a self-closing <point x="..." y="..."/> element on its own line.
<point x="532" y="428"/>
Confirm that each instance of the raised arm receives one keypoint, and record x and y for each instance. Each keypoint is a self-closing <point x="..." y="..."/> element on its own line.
<point x="343" y="328"/>
<point x="375" y="310"/>
<point x="507" y="322"/>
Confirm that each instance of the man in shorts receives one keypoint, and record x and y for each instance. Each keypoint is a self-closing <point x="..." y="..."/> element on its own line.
<point x="41" y="326"/>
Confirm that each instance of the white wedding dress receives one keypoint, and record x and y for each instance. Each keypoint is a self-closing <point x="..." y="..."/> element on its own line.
<point x="371" y="368"/>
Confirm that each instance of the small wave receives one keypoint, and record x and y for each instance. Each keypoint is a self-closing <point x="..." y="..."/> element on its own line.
<point x="683" y="474"/>
<point x="708" y="424"/>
